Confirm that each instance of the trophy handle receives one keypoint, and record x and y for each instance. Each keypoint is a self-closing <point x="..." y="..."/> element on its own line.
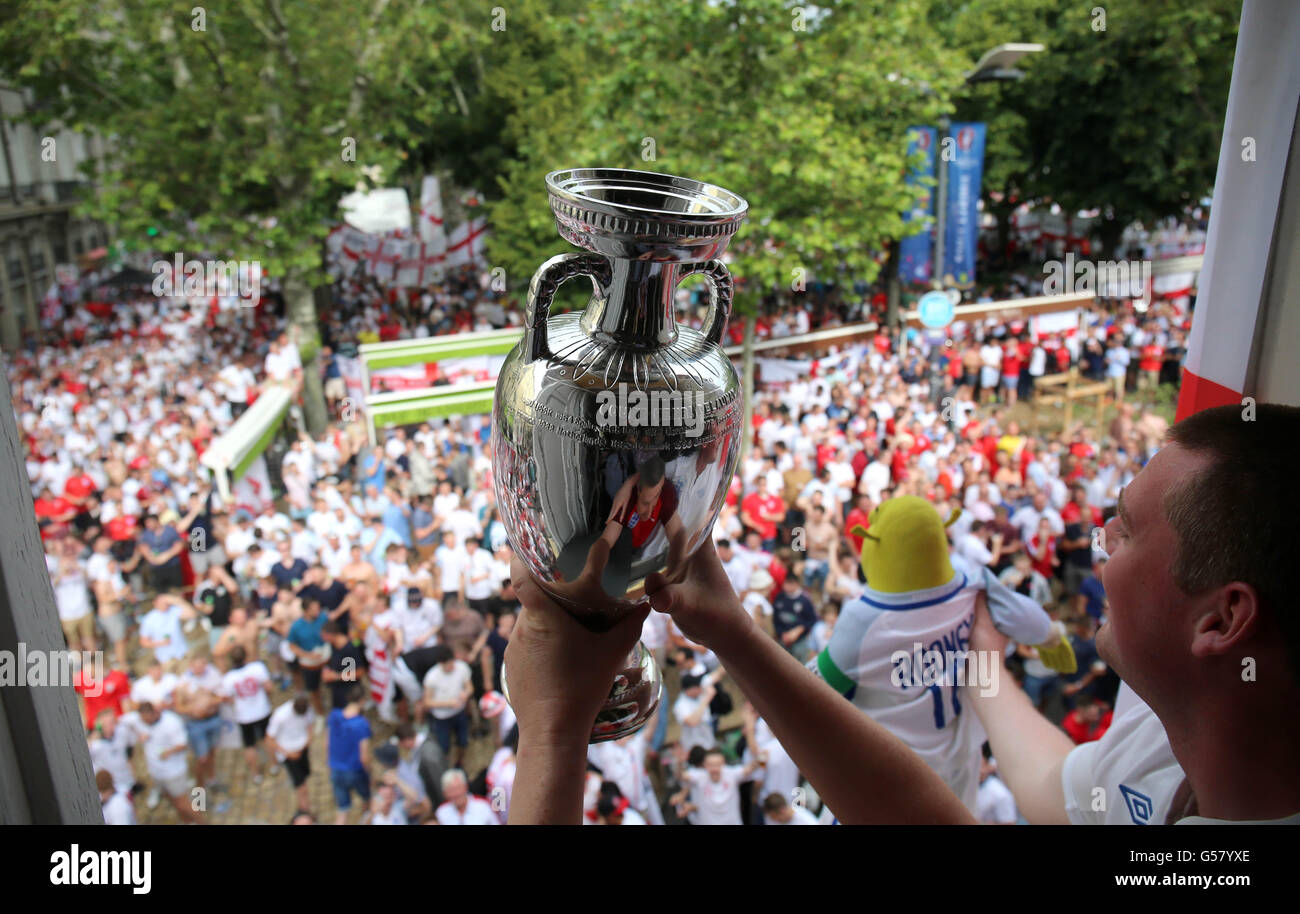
<point x="721" y="288"/>
<point x="541" y="291"/>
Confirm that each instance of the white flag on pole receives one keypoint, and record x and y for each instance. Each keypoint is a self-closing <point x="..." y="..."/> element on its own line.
<point x="466" y="244"/>
<point x="432" y="231"/>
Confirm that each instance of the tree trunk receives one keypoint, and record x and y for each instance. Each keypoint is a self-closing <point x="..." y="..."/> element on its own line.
<point x="894" y="297"/>
<point x="300" y="308"/>
<point x="1110" y="230"/>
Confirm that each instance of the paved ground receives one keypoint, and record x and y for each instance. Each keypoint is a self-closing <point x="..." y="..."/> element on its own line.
<point x="273" y="801"/>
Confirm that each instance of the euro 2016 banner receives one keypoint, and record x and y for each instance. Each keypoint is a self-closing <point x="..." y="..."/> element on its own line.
<point x="915" y="262"/>
<point x="964" y="155"/>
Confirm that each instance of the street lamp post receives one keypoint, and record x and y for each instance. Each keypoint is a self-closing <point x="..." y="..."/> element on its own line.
<point x="995" y="66"/>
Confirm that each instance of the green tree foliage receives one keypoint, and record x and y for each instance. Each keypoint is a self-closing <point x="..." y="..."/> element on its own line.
<point x="1123" y="112"/>
<point x="802" y="110"/>
<point x="234" y="128"/>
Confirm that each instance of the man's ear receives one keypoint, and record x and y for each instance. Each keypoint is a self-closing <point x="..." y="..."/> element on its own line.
<point x="1229" y="618"/>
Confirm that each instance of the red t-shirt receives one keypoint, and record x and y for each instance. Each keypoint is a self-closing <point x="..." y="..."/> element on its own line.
<point x="825" y="452"/>
<point x="989" y="447"/>
<point x="1149" y="359"/>
<point x="857" y="517"/>
<point x="114" y="690"/>
<point x="734" y="490"/>
<point x="754" y="505"/>
<point x="122" y="527"/>
<point x="1011" y="362"/>
<point x="50" y="508"/>
<point x="1083" y="733"/>
<point x="1072" y="513"/>
<point x="1044" y="565"/>
<point x="643" y="526"/>
<point x="79" y="487"/>
<point x="778" y="573"/>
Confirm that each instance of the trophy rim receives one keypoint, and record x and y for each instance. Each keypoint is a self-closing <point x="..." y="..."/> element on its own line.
<point x="567" y="188"/>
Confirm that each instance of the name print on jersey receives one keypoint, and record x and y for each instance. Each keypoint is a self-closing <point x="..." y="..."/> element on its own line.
<point x="945" y="662"/>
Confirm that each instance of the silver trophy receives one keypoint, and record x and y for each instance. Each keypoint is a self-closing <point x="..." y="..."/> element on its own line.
<point x="615" y="430"/>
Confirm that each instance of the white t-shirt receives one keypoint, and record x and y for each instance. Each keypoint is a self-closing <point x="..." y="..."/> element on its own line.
<point x="738" y="571"/>
<point x="290" y="729"/>
<point x="71" y="593"/>
<point x="169" y="731"/>
<point x="451" y="565"/>
<point x="110" y="755"/>
<point x="118" y="810"/>
<point x="717" y="802"/>
<point x="441" y="685"/>
<point x="780" y="774"/>
<point x="1129" y="776"/>
<point x="158" y="692"/>
<point x="477" y="812"/>
<point x="480" y="563"/>
<point x="994" y="804"/>
<point x="247" y="686"/>
<point x="415" y="622"/>
<point x="973" y="549"/>
<point x="700" y="734"/>
<point x="801" y="817"/>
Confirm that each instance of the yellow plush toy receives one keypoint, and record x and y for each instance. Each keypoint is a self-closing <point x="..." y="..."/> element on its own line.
<point x="907" y="550"/>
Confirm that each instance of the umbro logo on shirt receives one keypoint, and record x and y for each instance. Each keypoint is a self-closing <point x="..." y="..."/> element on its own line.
<point x="1139" y="805"/>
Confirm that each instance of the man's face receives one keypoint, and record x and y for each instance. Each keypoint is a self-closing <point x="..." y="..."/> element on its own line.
<point x="714" y="764"/>
<point x="456" y="792"/>
<point x="646" y="497"/>
<point x="784" y="816"/>
<point x="1148" y="613"/>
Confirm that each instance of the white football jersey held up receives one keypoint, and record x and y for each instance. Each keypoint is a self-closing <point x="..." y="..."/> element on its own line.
<point x="901" y="658"/>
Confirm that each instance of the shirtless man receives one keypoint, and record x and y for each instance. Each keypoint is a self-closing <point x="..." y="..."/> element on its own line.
<point x="286" y="610"/>
<point x="358" y="570"/>
<point x="243" y="631"/>
<point x="198" y="701"/>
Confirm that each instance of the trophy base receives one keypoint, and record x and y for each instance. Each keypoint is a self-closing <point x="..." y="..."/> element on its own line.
<point x="632" y="700"/>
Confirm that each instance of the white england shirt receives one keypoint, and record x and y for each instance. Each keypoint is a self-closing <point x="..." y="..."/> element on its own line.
<point x="1129" y="776"/>
<point x="896" y="657"/>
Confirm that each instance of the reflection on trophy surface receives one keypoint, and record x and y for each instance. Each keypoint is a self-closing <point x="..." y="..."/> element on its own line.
<point x="615" y="431"/>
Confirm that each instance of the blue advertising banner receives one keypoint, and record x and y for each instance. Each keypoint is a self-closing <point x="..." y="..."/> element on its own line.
<point x="914" y="251"/>
<point x="961" y="233"/>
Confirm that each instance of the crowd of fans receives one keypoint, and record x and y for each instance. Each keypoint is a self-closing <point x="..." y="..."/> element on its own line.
<point x="373" y="595"/>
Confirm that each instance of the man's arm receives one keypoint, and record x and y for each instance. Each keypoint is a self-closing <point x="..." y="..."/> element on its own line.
<point x="1030" y="750"/>
<point x="863" y="772"/>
